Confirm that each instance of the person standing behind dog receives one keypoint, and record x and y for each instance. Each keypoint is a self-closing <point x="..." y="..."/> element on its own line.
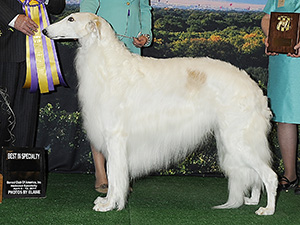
<point x="14" y="26"/>
<point x="132" y="22"/>
<point x="284" y="92"/>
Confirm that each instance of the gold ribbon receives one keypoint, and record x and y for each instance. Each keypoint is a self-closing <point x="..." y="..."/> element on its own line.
<point x="43" y="70"/>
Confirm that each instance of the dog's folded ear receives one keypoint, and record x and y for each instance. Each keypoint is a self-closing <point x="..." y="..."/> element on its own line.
<point x="94" y="27"/>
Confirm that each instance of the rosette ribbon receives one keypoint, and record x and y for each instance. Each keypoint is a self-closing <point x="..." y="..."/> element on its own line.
<point x="43" y="71"/>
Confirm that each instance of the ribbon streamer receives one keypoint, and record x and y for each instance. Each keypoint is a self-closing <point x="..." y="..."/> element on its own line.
<point x="43" y="71"/>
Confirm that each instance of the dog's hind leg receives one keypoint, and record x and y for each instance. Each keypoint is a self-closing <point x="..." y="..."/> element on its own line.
<point x="236" y="194"/>
<point x="258" y="159"/>
<point x="255" y="196"/>
<point x="231" y="168"/>
<point x="270" y="181"/>
<point x="117" y="173"/>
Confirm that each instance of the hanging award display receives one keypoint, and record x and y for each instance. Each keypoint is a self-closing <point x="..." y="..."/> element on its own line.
<point x="43" y="71"/>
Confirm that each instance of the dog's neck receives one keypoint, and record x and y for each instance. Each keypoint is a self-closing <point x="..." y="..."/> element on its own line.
<point x="107" y="40"/>
<point x="110" y="51"/>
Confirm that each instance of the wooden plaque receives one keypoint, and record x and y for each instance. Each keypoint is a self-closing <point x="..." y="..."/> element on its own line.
<point x="23" y="171"/>
<point x="283" y="32"/>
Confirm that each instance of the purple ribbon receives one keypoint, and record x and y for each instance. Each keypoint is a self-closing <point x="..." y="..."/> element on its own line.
<point x="34" y="78"/>
<point x="60" y="77"/>
<point x="46" y="54"/>
<point x="26" y="2"/>
<point x="33" y="64"/>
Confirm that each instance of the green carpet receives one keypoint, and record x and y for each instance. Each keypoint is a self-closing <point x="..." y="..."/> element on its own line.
<point x="155" y="200"/>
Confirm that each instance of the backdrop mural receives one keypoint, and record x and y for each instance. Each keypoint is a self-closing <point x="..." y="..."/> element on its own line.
<point x="226" y="30"/>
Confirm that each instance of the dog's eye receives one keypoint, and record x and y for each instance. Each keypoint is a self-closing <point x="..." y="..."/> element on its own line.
<point x="71" y="19"/>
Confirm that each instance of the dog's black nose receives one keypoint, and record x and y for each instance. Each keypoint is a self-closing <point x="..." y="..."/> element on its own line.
<point x="45" y="32"/>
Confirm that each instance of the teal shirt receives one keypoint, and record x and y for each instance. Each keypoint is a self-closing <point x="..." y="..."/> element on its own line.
<point x="127" y="17"/>
<point x="284" y="75"/>
<point x="289" y="6"/>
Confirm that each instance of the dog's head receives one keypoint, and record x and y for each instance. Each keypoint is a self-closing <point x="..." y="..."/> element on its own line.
<point x="75" y="26"/>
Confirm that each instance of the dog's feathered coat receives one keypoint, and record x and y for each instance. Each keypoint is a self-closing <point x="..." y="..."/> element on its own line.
<point x="144" y="113"/>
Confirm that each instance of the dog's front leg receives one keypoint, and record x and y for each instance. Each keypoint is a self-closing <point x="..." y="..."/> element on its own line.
<point x="117" y="172"/>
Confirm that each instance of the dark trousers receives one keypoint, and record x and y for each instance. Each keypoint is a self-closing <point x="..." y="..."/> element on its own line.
<point x="25" y="107"/>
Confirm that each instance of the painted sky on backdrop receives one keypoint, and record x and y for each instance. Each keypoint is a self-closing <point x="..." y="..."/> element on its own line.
<point x="205" y="4"/>
<point x="253" y="5"/>
<point x="259" y="2"/>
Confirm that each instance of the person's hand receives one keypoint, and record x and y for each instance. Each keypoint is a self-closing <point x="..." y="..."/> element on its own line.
<point x="26" y="25"/>
<point x="266" y="49"/>
<point x="140" y="41"/>
<point x="297" y="47"/>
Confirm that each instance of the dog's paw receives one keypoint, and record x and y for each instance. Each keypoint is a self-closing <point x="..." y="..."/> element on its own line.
<point x="228" y="205"/>
<point x="100" y="200"/>
<point x="224" y="206"/>
<point x="265" y="211"/>
<point x="250" y="201"/>
<point x="103" y="205"/>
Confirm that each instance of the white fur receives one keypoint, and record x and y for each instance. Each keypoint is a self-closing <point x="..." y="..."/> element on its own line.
<point x="145" y="113"/>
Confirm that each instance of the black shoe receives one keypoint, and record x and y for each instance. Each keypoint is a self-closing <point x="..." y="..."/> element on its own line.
<point x="297" y="190"/>
<point x="288" y="185"/>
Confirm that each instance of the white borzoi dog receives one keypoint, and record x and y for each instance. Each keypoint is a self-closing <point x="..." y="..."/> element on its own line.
<point x="144" y="113"/>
